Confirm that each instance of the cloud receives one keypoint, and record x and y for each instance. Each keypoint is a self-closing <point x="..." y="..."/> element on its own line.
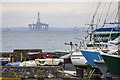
<point x="45" y="7"/>
<point x="17" y="14"/>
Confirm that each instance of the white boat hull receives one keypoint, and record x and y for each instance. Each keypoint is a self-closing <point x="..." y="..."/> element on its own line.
<point x="49" y="61"/>
<point x="78" y="59"/>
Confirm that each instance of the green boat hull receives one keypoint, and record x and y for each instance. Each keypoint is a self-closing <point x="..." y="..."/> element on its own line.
<point x="113" y="64"/>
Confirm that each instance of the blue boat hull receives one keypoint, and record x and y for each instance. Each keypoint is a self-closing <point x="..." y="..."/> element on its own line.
<point x="91" y="56"/>
<point x="4" y="62"/>
<point x="14" y="64"/>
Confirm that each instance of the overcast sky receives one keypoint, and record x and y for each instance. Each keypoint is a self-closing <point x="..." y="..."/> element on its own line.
<point x="56" y="14"/>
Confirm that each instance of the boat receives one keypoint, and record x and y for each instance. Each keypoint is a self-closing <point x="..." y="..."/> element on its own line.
<point x="4" y="60"/>
<point x="63" y="54"/>
<point x="28" y="63"/>
<point x="49" y="62"/>
<point x="103" y="39"/>
<point x="34" y="55"/>
<point x="62" y="51"/>
<point x="78" y="60"/>
<point x="47" y="59"/>
<point x="42" y="62"/>
<point x="112" y="58"/>
<point x="13" y="64"/>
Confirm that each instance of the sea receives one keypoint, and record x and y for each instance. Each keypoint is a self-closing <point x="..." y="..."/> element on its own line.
<point x="48" y="41"/>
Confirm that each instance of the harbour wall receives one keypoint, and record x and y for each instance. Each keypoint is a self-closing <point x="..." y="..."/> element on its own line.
<point x="31" y="72"/>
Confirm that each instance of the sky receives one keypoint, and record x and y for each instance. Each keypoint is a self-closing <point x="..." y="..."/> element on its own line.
<point x="56" y="14"/>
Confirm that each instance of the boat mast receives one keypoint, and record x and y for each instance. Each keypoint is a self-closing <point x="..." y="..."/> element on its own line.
<point x="114" y="22"/>
<point x="107" y="14"/>
<point x="92" y="21"/>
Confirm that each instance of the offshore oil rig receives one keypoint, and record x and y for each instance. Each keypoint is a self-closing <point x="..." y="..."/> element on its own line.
<point x="39" y="25"/>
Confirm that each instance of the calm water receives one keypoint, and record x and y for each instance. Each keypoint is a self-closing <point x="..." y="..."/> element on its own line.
<point x="46" y="40"/>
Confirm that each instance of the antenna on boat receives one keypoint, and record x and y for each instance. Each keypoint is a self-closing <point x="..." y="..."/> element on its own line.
<point x="71" y="44"/>
<point x="83" y="41"/>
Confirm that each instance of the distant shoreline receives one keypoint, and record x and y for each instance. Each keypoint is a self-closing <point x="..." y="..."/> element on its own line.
<point x="50" y="29"/>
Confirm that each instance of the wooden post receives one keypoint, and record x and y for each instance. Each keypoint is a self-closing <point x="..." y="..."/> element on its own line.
<point x="12" y="62"/>
<point x="38" y="61"/>
<point x="21" y="57"/>
<point x="10" y="57"/>
<point x="52" y="62"/>
<point x="25" y="61"/>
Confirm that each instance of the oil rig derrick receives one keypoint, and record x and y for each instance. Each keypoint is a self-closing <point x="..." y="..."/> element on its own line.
<point x="39" y="25"/>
